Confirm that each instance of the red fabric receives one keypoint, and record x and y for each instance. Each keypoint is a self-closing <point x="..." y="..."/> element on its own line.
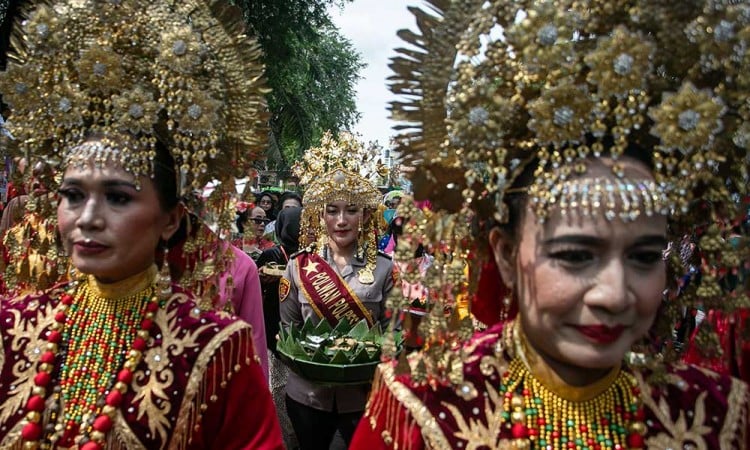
<point x="329" y="292"/>
<point x="368" y="438"/>
<point x="229" y="423"/>
<point x="240" y="413"/>
<point x="735" y="346"/>
<point x="487" y="304"/>
<point x="387" y="425"/>
<point x="14" y="191"/>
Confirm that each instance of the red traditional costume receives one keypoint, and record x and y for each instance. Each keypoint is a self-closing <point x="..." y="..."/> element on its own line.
<point x="689" y="408"/>
<point x="198" y="372"/>
<point x="565" y="134"/>
<point x="170" y="94"/>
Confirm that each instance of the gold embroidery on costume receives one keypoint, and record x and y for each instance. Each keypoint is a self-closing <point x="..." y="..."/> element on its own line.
<point x="678" y="433"/>
<point x="151" y="391"/>
<point x="491" y="364"/>
<point x="13" y="440"/>
<point x="25" y="334"/>
<point x="475" y="432"/>
<point x="122" y="436"/>
<point x="736" y="420"/>
<point x="431" y="431"/>
<point x="471" y="347"/>
<point x="199" y="391"/>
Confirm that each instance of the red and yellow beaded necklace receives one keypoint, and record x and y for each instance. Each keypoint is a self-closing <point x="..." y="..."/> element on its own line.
<point x="606" y="416"/>
<point x="94" y="324"/>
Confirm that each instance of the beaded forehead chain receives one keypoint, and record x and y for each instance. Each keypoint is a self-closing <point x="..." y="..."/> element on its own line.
<point x="494" y="93"/>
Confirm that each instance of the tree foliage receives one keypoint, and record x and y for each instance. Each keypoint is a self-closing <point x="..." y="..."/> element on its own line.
<point x="311" y="68"/>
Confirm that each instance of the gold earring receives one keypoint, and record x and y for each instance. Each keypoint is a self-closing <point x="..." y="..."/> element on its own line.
<point x="507" y="304"/>
<point x="360" y="241"/>
<point x="164" y="282"/>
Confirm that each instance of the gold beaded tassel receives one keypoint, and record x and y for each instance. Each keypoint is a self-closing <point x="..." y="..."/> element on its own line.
<point x="370" y="253"/>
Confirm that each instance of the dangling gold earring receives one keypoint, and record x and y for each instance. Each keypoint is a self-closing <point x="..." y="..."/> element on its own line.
<point x="164" y="282"/>
<point x="321" y="236"/>
<point x="360" y="240"/>
<point x="507" y="304"/>
<point x="370" y="255"/>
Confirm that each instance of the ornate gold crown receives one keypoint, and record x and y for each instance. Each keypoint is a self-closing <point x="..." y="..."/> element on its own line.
<point x="343" y="169"/>
<point x="136" y="73"/>
<point x="181" y="72"/>
<point x="340" y="168"/>
<point x="495" y="88"/>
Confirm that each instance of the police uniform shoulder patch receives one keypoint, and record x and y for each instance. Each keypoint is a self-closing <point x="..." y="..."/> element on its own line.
<point x="284" y="287"/>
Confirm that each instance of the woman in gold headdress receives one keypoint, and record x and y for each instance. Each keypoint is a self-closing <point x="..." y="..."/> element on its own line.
<point x="138" y="104"/>
<point x="342" y="276"/>
<point x="582" y="137"/>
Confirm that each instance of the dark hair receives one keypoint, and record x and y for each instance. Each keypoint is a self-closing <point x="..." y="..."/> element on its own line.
<point x="241" y="220"/>
<point x="271" y="214"/>
<point x="290" y="195"/>
<point x="165" y="178"/>
<point x="287" y="228"/>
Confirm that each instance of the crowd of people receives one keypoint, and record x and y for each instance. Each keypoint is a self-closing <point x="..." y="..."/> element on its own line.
<point x="571" y="270"/>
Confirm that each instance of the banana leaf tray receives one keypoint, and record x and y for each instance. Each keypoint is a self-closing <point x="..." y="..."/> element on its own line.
<point x="346" y="354"/>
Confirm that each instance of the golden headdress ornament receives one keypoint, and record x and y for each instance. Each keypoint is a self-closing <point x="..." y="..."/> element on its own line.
<point x="137" y="72"/>
<point x="343" y="169"/>
<point x="135" y="75"/>
<point x="493" y="89"/>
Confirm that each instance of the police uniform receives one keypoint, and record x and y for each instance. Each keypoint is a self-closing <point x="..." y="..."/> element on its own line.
<point x="295" y="308"/>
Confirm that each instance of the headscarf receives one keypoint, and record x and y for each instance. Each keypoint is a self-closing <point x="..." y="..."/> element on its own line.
<point x="287" y="228"/>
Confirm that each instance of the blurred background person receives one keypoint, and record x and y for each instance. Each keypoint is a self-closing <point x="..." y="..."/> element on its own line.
<point x="272" y="263"/>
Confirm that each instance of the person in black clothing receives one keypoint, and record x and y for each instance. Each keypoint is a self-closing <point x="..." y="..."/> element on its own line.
<point x="287" y="232"/>
<point x="288" y="199"/>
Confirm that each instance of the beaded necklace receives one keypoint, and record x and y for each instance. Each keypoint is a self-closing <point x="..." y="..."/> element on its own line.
<point x="94" y="328"/>
<point x="538" y="417"/>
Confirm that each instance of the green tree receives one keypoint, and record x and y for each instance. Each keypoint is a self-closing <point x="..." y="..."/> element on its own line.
<point x="311" y="68"/>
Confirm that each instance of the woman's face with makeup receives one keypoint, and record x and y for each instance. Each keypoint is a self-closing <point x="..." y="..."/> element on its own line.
<point x="109" y="227"/>
<point x="587" y="288"/>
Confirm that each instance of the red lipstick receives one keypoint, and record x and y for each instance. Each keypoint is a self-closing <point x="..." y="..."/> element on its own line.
<point x="601" y="334"/>
<point x="88" y="247"/>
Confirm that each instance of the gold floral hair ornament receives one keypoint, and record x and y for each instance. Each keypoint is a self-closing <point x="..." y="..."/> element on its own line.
<point x="181" y="73"/>
<point x="133" y="75"/>
<point x="491" y="90"/>
<point x="343" y="169"/>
